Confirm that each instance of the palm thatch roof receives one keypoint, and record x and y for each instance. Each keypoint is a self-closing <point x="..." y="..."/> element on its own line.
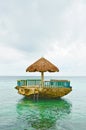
<point x="42" y="65"/>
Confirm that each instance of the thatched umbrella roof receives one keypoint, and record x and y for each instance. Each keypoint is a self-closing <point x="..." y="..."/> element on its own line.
<point x="42" y="65"/>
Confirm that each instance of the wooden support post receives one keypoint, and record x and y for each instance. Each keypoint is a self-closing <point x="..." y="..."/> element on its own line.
<point x="42" y="79"/>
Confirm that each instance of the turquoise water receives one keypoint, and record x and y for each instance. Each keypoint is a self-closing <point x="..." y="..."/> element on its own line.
<point x="19" y="113"/>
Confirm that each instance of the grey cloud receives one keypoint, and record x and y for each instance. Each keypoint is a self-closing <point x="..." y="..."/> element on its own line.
<point x="33" y="26"/>
<point x="32" y="23"/>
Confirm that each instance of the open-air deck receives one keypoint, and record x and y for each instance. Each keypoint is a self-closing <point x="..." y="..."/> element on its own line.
<point x="49" y="89"/>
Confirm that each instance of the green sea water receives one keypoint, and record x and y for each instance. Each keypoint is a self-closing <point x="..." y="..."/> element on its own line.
<point x="20" y="113"/>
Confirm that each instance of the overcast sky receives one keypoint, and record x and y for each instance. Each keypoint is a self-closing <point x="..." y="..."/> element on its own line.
<point x="54" y="29"/>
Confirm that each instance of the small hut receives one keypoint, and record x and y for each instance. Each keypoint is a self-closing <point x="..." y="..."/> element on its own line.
<point x="42" y="65"/>
<point x="49" y="89"/>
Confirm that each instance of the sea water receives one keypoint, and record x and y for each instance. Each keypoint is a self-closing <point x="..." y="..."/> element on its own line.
<point x="20" y="113"/>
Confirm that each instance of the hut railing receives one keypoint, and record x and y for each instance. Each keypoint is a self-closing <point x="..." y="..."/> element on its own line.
<point x="57" y="83"/>
<point x="29" y="82"/>
<point x="50" y="84"/>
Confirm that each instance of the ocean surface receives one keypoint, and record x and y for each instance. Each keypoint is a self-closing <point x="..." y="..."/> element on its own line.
<point x="20" y="113"/>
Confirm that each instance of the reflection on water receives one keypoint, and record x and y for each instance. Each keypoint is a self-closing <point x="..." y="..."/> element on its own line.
<point x="43" y="114"/>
